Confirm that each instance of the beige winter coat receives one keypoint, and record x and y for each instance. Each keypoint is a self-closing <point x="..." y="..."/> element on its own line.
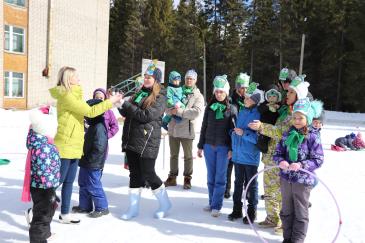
<point x="185" y="127"/>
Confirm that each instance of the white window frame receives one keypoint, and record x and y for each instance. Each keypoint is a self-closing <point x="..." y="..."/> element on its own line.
<point x="10" y="84"/>
<point x="14" y="4"/>
<point x="11" y="34"/>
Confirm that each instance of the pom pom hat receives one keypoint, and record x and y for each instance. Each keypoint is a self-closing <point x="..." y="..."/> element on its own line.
<point x="272" y="92"/>
<point x="44" y="121"/>
<point x="309" y="109"/>
<point x="221" y="83"/>
<point x="242" y="81"/>
<point x="192" y="74"/>
<point x="174" y="76"/>
<point x="154" y="71"/>
<point x="300" y="86"/>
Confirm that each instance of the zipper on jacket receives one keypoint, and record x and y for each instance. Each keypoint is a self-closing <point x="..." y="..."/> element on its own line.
<point x="145" y="144"/>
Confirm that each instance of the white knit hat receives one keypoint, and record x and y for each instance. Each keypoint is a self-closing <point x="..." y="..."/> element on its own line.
<point x="43" y="124"/>
<point x="300" y="86"/>
<point x="221" y="83"/>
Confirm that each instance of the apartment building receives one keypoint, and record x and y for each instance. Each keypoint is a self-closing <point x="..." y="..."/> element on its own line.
<point x="41" y="36"/>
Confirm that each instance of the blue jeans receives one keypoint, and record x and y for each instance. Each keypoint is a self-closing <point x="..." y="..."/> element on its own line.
<point x="216" y="160"/>
<point x="243" y="174"/>
<point x="91" y="190"/>
<point x="68" y="174"/>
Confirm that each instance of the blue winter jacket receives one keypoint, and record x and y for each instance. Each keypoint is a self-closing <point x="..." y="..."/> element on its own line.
<point x="244" y="149"/>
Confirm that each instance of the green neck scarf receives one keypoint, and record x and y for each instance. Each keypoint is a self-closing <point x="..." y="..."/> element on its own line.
<point x="187" y="90"/>
<point x="218" y="108"/>
<point x="292" y="142"/>
<point x="241" y="105"/>
<point x="283" y="112"/>
<point x="140" y="95"/>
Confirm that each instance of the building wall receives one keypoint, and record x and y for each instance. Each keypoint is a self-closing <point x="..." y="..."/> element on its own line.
<point x="79" y="38"/>
<point x="15" y="16"/>
<point x="1" y="52"/>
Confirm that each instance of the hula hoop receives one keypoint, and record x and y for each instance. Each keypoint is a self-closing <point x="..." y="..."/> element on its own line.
<point x="303" y="170"/>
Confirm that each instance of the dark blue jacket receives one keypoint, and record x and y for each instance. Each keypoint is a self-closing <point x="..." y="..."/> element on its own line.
<point x="217" y="131"/>
<point x="244" y="149"/>
<point x="95" y="145"/>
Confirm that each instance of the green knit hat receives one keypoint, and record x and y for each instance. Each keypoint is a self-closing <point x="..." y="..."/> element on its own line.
<point x="242" y="81"/>
<point x="221" y="83"/>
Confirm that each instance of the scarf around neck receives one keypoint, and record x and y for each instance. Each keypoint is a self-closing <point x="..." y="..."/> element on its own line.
<point x="294" y="139"/>
<point x="143" y="93"/>
<point x="187" y="90"/>
<point x="219" y="109"/>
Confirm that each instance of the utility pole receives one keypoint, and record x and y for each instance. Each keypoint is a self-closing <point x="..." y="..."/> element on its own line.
<point x="204" y="62"/>
<point x="302" y="51"/>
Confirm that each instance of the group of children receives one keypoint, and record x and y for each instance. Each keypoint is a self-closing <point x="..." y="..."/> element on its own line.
<point x="285" y="128"/>
<point x="287" y="135"/>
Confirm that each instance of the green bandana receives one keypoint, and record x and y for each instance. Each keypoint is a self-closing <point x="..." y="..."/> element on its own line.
<point x="140" y="95"/>
<point x="241" y="104"/>
<point x="187" y="90"/>
<point x="283" y="112"/>
<point x="218" y="108"/>
<point x="251" y="88"/>
<point x="292" y="142"/>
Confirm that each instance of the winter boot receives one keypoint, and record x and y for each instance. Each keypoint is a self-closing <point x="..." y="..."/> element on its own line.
<point x="251" y="213"/>
<point x="187" y="182"/>
<point x="68" y="219"/>
<point x="134" y="198"/>
<point x="236" y="213"/>
<point x="171" y="181"/>
<point x="28" y="216"/>
<point x="163" y="200"/>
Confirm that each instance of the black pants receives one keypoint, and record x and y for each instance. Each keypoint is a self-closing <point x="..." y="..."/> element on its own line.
<point x="229" y="175"/>
<point x="142" y="170"/>
<point x="44" y="207"/>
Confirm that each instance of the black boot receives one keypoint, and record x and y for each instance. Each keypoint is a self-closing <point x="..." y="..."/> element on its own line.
<point x="251" y="213"/>
<point x="287" y="241"/>
<point x="236" y="213"/>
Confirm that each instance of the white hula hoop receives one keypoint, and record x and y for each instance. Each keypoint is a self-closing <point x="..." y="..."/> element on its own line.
<point x="303" y="170"/>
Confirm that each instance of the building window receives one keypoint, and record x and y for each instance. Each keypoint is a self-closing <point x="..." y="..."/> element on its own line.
<point x="14" y="85"/>
<point x="16" y="2"/>
<point x="14" y="39"/>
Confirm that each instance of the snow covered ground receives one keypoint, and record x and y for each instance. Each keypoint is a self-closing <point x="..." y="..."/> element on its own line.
<point x="343" y="172"/>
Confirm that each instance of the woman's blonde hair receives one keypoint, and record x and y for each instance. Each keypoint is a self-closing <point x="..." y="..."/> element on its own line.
<point x="64" y="76"/>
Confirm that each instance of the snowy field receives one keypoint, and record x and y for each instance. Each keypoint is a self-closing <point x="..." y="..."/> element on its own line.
<point x="343" y="172"/>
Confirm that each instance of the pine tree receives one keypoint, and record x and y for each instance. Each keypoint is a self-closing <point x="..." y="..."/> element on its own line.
<point x="158" y="20"/>
<point x="125" y="47"/>
<point x="187" y="46"/>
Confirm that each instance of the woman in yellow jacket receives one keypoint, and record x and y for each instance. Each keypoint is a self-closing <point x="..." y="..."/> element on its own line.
<point x="71" y="110"/>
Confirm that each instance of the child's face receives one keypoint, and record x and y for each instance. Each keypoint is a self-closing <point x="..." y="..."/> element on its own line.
<point x="285" y="84"/>
<point x="291" y="96"/>
<point x="317" y="124"/>
<point x="241" y="91"/>
<point x="99" y="95"/>
<point x="299" y="120"/>
<point x="220" y="95"/>
<point x="176" y="82"/>
<point x="272" y="99"/>
<point x="248" y="102"/>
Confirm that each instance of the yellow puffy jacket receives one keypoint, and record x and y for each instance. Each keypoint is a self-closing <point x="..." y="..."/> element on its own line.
<point x="71" y="110"/>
